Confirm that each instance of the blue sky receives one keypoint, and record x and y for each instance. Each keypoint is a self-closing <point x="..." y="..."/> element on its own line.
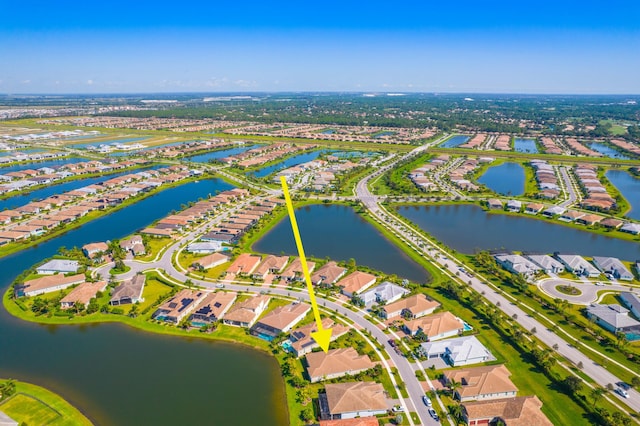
<point x="494" y="46"/>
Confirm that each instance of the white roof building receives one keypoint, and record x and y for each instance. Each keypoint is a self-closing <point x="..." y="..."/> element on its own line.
<point x="459" y="351"/>
<point x="613" y="266"/>
<point x="58" y="265"/>
<point x="384" y="293"/>
<point x="547" y="263"/>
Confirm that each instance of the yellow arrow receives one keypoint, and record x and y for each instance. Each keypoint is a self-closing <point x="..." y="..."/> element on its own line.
<point x="322" y="336"/>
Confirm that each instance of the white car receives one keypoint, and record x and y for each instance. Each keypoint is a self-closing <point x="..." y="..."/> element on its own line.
<point x="426" y="400"/>
<point x="623" y="393"/>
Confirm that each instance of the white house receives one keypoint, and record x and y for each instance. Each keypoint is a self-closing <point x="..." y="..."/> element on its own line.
<point x="459" y="351"/>
<point x="613" y="266"/>
<point x="578" y="265"/>
<point x="58" y="266"/>
<point x="548" y="264"/>
<point x="384" y="293"/>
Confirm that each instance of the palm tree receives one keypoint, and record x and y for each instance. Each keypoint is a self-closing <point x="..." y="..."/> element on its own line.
<point x="457" y="413"/>
<point x="454" y="386"/>
<point x="596" y="394"/>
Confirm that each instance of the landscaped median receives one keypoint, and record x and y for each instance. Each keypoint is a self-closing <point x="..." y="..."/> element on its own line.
<point x="29" y="404"/>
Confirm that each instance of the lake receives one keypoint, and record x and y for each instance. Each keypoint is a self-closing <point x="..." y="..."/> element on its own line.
<point x="454" y="141"/>
<point x="606" y="150"/>
<point x="629" y="186"/>
<point x="214" y="155"/>
<point x="121" y="376"/>
<point x="525" y="145"/>
<point x="505" y="179"/>
<point x="338" y="232"/>
<point x="468" y="229"/>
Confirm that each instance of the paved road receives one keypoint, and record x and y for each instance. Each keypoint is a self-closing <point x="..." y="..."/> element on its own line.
<point x="569" y="186"/>
<point x="589" y="291"/>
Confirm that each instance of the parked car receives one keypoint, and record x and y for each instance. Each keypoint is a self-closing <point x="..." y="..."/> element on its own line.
<point x="624" y="385"/>
<point x="426" y="400"/>
<point x="392" y="342"/>
<point x="623" y="393"/>
<point x="220" y="285"/>
<point x="433" y="414"/>
<point x="398" y="409"/>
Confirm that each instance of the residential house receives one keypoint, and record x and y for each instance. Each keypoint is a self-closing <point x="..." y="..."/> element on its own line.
<point x="578" y="265"/>
<point x="271" y="265"/>
<point x="630" y="228"/>
<point x="280" y="320"/>
<point x="336" y="363"/>
<point x="179" y="306"/>
<point x="245" y="314"/>
<point x="55" y="266"/>
<point x="494" y="204"/>
<point x="328" y="274"/>
<point x="459" y="351"/>
<point x="613" y="266"/>
<point x="518" y="265"/>
<point x="632" y="302"/>
<point x="352" y="399"/>
<point x="357" y="421"/>
<point x="533" y="208"/>
<point x="436" y="326"/>
<point x="571" y="216"/>
<point x="615" y="319"/>
<point x="129" y="291"/>
<point x="245" y="264"/>
<point x="553" y="211"/>
<point x="356" y="282"/>
<point x="213" y="307"/>
<point x="211" y="260"/>
<point x="548" y="264"/>
<point x="302" y="343"/>
<point x="48" y="284"/>
<point x="93" y="249"/>
<point x="82" y="294"/>
<point x="482" y="383"/>
<point x="135" y="245"/>
<point x="415" y="306"/>
<point x="294" y="270"/>
<point x="514" y="205"/>
<point x="517" y="411"/>
<point x="384" y="293"/>
<point x="204" y="247"/>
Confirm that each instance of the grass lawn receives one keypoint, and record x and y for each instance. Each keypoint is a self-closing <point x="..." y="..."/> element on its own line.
<point x="33" y="405"/>
<point x="154" y="246"/>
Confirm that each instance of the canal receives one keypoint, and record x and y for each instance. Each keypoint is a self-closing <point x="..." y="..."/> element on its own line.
<point x="121" y="376"/>
<point x="607" y="150"/>
<point x="468" y="229"/>
<point x="338" y="232"/>
<point x="505" y="179"/>
<point x="629" y="187"/>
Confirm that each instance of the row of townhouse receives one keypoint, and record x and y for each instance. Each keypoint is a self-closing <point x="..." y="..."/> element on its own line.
<point x="581" y="149"/>
<point x="564" y="215"/>
<point x="18" y="180"/>
<point x="596" y="195"/>
<point x="531" y="265"/>
<point x="33" y="156"/>
<point x="38" y="217"/>
<point x="459" y="176"/>
<point x="546" y="179"/>
<point x="421" y="177"/>
<point x="199" y="211"/>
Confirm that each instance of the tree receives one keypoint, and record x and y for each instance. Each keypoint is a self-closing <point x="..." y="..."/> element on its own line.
<point x="306" y="415"/>
<point x="573" y="384"/>
<point x="8" y="388"/>
<point x="457" y="413"/>
<point x="596" y="394"/>
<point x="454" y="386"/>
<point x="635" y="381"/>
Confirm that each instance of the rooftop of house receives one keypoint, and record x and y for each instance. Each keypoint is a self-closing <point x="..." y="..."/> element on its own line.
<point x="517" y="411"/>
<point x="415" y="304"/>
<point x="355" y="396"/>
<point x="246" y="311"/>
<point x="491" y="379"/>
<point x="84" y="292"/>
<point x="130" y="289"/>
<point x="52" y="281"/>
<point x="283" y="316"/>
<point x="214" y="304"/>
<point x="356" y="281"/>
<point x="336" y="361"/>
<point x="434" y="325"/>
<point x="613" y="314"/>
<point x="61" y="265"/>
<point x="328" y="273"/>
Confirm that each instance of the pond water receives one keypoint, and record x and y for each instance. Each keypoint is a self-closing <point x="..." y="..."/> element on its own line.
<point x="505" y="179"/>
<point x="454" y="141"/>
<point x="468" y="229"/>
<point x="338" y="232"/>
<point x="525" y="145"/>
